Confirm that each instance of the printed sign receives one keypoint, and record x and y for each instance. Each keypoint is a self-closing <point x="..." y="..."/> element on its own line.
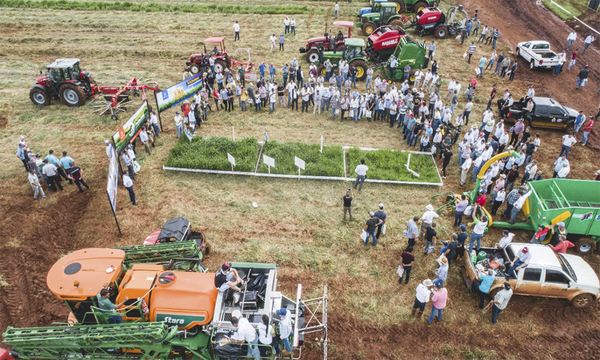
<point x="231" y="159"/>
<point x="178" y="93"/>
<point x="269" y="160"/>
<point x="111" y="186"/>
<point x="128" y="132"/>
<point x="586" y="216"/>
<point x="187" y="133"/>
<point x="299" y="162"/>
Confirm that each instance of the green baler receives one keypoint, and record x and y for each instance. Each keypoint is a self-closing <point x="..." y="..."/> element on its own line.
<point x="574" y="202"/>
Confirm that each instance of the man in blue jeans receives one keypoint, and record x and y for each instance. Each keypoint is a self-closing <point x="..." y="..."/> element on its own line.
<point x="519" y="262"/>
<point x="500" y="301"/>
<point x="478" y="230"/>
<point x="371" y="226"/>
<point x="518" y="205"/>
<point x="109" y="307"/>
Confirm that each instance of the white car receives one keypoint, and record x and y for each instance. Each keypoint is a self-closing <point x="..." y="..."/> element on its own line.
<point x="538" y="54"/>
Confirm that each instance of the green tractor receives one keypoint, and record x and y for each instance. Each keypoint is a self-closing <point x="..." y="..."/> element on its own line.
<point x="408" y="52"/>
<point x="387" y="15"/>
<point x="353" y="54"/>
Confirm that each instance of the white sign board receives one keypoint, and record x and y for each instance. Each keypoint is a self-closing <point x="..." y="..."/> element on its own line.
<point x="269" y="160"/>
<point x="231" y="159"/>
<point x="299" y="162"/>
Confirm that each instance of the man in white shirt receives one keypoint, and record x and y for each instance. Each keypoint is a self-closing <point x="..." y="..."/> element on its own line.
<point x="428" y="77"/>
<point x="236" y="29"/>
<point x="571" y="38"/>
<point x="35" y="184"/>
<point x="154" y="120"/>
<point x="477" y="164"/>
<point x="245" y="334"/>
<point x="178" y="124"/>
<point x="530" y="93"/>
<point x="422" y="297"/>
<point x="466" y="165"/>
<point x="427" y="220"/>
<point x="110" y="151"/>
<point x="568" y="141"/>
<point x="418" y="77"/>
<point x="128" y="183"/>
<point x="478" y="230"/>
<point x="588" y="40"/>
<point x="361" y="174"/>
<point x="50" y="171"/>
<point x="451" y="88"/>
<point x="518" y="205"/>
<point x="505" y="240"/>
<point x="520" y="261"/>
<point x="562" y="174"/>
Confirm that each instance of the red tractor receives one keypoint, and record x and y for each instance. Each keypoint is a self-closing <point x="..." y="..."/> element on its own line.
<point x="383" y="41"/>
<point x="330" y="42"/>
<point x="433" y="21"/>
<point x="223" y="60"/>
<point x="65" y="81"/>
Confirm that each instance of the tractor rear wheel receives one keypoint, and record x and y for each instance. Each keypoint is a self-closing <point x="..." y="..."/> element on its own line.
<point x="72" y="95"/>
<point x="397" y="23"/>
<point x="400" y="8"/>
<point x="220" y="65"/>
<point x="195" y="69"/>
<point x="418" y="6"/>
<point x="585" y="245"/>
<point x="322" y="70"/>
<point x="368" y="28"/>
<point x="441" y="32"/>
<point x="361" y="69"/>
<point x="39" y="97"/>
<point x="312" y="55"/>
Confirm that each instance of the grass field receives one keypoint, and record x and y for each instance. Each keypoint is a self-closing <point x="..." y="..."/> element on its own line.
<point x="297" y="225"/>
<point x="575" y="7"/>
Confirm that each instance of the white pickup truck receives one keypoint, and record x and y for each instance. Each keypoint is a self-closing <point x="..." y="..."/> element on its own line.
<point x="548" y="274"/>
<point x="538" y="54"/>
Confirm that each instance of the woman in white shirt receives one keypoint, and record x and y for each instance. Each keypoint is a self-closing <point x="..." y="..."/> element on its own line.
<point x="265" y="335"/>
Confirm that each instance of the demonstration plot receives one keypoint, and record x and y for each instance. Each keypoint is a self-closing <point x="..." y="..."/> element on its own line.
<point x="211" y="154"/>
<point x="328" y="163"/>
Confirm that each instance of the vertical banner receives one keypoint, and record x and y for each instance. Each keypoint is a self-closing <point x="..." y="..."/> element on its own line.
<point x="130" y="130"/>
<point x="179" y="92"/>
<point x="112" y="184"/>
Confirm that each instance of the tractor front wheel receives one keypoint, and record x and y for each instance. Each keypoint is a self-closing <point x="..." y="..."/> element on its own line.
<point x="400" y="8"/>
<point x="585" y="245"/>
<point x="39" y="97"/>
<point x="419" y="6"/>
<point x="441" y="32"/>
<point x="322" y="70"/>
<point x="368" y="28"/>
<point x="195" y="69"/>
<point x="220" y="66"/>
<point x="72" y="95"/>
<point x="361" y="69"/>
<point x="312" y="55"/>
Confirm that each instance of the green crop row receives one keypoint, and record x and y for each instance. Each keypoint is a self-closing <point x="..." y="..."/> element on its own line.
<point x="154" y="7"/>
<point x="391" y="165"/>
<point x="328" y="163"/>
<point x="211" y="154"/>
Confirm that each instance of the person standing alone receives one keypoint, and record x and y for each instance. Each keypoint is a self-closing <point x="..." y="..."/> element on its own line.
<point x="361" y="175"/>
<point x="348" y="203"/>
<point x="236" y="29"/>
<point x="336" y="9"/>
<point x="128" y="183"/>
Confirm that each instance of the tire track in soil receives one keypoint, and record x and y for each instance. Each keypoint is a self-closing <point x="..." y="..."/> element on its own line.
<point x="45" y="233"/>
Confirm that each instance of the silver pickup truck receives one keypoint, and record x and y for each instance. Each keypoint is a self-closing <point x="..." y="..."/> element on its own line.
<point x="537" y="54"/>
<point x="548" y="274"/>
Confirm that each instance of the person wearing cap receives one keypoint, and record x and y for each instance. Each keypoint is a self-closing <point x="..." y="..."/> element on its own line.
<point x="370" y="227"/>
<point x="227" y="277"/>
<point x="22" y="155"/>
<point x="500" y="301"/>
<point x="556" y="231"/>
<point x="422" y="297"/>
<point x="483" y="285"/>
<point x="440" y="300"/>
<point x="520" y="261"/>
<point x="380" y="214"/>
<point x="178" y="123"/>
<point x="128" y="183"/>
<point x="245" y="334"/>
<point x="541" y="234"/>
<point x="285" y="330"/>
<point x="427" y="220"/>
<point x="35" y="185"/>
<point x="461" y="238"/>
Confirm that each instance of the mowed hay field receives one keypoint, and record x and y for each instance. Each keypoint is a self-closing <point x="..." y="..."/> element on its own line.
<point x="298" y="224"/>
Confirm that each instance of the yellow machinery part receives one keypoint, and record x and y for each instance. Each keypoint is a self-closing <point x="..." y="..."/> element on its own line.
<point x="561" y="217"/>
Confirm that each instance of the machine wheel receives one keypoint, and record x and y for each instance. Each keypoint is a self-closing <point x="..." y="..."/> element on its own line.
<point x="340" y="47"/>
<point x="441" y="32"/>
<point x="322" y="70"/>
<point x="361" y="69"/>
<point x="195" y="69"/>
<point x="368" y="28"/>
<point x="585" y="245"/>
<point x="582" y="300"/>
<point x="400" y="7"/>
<point x="220" y="65"/>
<point x="312" y="55"/>
<point x="397" y="23"/>
<point x="532" y="64"/>
<point x="72" y="95"/>
<point x="418" y="6"/>
<point x="39" y="97"/>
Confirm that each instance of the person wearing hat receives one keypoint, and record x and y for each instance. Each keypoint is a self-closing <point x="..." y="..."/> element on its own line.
<point x="556" y="231"/>
<point x="381" y="215"/>
<point x="372" y="223"/>
<point x="500" y="301"/>
<point x="422" y="297"/>
<point x="285" y="330"/>
<point x="227" y="277"/>
<point x="427" y="220"/>
<point x="442" y="271"/>
<point x="440" y="300"/>
<point x="483" y="285"/>
<point x="520" y="261"/>
<point x="245" y="334"/>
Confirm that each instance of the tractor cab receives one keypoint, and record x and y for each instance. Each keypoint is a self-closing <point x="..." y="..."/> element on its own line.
<point x="213" y="46"/>
<point x="387" y="11"/>
<point x="353" y="49"/>
<point x="64" y="80"/>
<point x="62" y="70"/>
<point x="374" y="8"/>
<point x="217" y="44"/>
